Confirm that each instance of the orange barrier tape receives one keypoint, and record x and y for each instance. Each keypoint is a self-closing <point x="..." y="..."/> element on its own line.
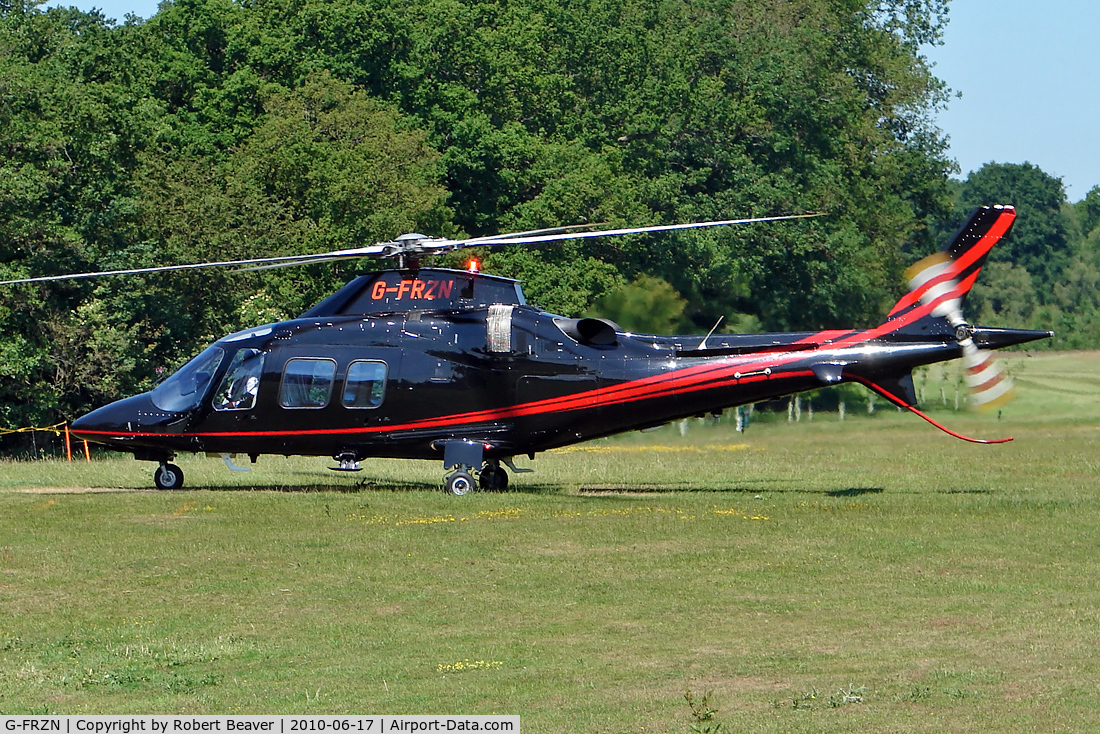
<point x="56" y="429"/>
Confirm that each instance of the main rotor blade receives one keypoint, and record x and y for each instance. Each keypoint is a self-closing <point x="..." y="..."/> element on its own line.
<point x="409" y="244"/>
<point x="323" y="257"/>
<point x="523" y="240"/>
<point x="535" y="236"/>
<point x="473" y="241"/>
<point x="158" y="269"/>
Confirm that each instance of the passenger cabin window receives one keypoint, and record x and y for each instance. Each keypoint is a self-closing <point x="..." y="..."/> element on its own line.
<point x="307" y="383"/>
<point x="241" y="382"/>
<point x="365" y="385"/>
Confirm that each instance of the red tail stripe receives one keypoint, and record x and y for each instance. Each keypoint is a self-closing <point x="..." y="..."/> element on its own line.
<point x="964" y="261"/>
<point x="904" y="302"/>
<point x="985" y="244"/>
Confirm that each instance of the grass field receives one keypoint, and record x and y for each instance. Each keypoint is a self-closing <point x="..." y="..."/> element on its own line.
<point x="873" y="575"/>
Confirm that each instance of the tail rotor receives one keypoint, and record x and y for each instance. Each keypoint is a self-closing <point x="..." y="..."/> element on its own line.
<point x="934" y="281"/>
<point x="990" y="385"/>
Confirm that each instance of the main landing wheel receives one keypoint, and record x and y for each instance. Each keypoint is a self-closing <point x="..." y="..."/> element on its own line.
<point x="460" y="483"/>
<point x="168" y="476"/>
<point x="493" y="479"/>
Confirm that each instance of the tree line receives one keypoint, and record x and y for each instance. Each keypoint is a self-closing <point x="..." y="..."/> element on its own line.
<point x="222" y="129"/>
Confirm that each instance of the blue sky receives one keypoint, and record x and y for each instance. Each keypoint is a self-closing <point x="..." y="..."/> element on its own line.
<point x="1029" y="73"/>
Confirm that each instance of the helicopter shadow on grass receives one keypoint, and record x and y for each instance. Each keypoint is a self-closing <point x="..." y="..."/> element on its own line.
<point x="743" y="487"/>
<point x="768" y="486"/>
<point x="854" y="491"/>
<point x="325" y="487"/>
<point x="848" y="492"/>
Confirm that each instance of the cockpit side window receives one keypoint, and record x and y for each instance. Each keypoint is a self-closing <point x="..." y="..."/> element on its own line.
<point x="242" y="381"/>
<point x="185" y="389"/>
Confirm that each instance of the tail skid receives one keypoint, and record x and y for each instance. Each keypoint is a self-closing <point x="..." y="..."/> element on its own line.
<point x="904" y="402"/>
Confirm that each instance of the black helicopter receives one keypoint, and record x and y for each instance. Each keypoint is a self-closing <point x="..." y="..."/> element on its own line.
<point x="454" y="365"/>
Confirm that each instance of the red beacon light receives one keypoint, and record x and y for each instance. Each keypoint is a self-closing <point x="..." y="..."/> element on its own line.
<point x="473" y="265"/>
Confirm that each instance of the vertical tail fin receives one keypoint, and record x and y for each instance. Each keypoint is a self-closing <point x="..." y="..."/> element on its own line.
<point x="941" y="281"/>
<point x="938" y="285"/>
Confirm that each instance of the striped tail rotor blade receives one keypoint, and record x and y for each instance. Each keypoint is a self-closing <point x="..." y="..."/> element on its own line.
<point x="989" y="383"/>
<point x="932" y="280"/>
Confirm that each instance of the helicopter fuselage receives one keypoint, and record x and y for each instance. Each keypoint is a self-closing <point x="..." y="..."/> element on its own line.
<point x="402" y="363"/>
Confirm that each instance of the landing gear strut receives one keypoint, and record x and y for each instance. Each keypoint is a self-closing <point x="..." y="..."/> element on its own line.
<point x="462" y="455"/>
<point x="168" y="476"/>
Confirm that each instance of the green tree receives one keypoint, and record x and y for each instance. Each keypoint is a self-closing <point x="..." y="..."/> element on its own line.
<point x="1038" y="241"/>
<point x="325" y="168"/>
<point x="1088" y="210"/>
<point x="625" y="111"/>
<point x="70" y="123"/>
<point x="221" y="129"/>
<point x="140" y="145"/>
<point x="647" y="305"/>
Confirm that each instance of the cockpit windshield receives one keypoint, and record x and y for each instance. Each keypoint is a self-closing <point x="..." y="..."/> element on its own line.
<point x="184" y="390"/>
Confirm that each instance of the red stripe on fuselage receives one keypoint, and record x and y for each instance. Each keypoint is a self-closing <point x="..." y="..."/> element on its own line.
<point x="679" y="382"/>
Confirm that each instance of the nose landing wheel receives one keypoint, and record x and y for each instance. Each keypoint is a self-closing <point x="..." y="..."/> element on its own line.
<point x="168" y="476"/>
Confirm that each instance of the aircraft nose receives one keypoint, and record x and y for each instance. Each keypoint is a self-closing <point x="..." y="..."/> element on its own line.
<point x="123" y="421"/>
<point x="113" y="420"/>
